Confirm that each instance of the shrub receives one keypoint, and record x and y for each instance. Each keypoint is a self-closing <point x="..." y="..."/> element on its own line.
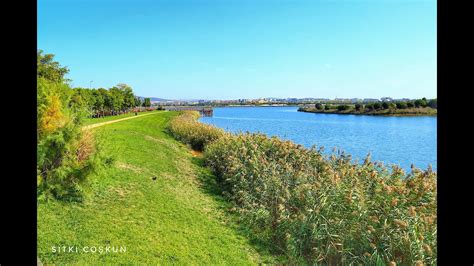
<point x="64" y="153"/>
<point x="377" y="106"/>
<point x="385" y="105"/>
<point x="327" y="107"/>
<point x="433" y="103"/>
<point x="358" y="106"/>
<point x="327" y="210"/>
<point x="319" y="106"/>
<point x="343" y="107"/>
<point x="187" y="129"/>
<point x="370" y="106"/>
<point x="402" y="105"/>
<point x="421" y="103"/>
<point x="410" y="104"/>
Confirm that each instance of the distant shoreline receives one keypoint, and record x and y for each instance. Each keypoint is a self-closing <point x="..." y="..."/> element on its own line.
<point x="384" y="112"/>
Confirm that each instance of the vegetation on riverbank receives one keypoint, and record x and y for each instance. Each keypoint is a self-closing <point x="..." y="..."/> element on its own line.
<point x="314" y="209"/>
<point x="154" y="199"/>
<point x="187" y="129"/>
<point x="420" y="107"/>
<point x="65" y="154"/>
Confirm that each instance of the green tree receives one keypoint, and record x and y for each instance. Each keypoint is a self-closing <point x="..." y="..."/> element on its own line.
<point x="358" y="106"/>
<point x="319" y="106"/>
<point x="402" y="105"/>
<point x="138" y="101"/>
<point x="127" y="94"/>
<point x="433" y="103"/>
<point x="147" y="102"/>
<point x="117" y="99"/>
<point x="385" y="105"/>
<point x="420" y="103"/>
<point x="99" y="102"/>
<point x="410" y="104"/>
<point x="377" y="106"/>
<point x="343" y="107"/>
<point x="49" y="69"/>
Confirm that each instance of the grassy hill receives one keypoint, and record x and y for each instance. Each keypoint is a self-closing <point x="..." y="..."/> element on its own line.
<point x="155" y="200"/>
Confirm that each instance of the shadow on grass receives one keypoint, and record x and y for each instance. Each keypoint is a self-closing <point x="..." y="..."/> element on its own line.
<point x="210" y="187"/>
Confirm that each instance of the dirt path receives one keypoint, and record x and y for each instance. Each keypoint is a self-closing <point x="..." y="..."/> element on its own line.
<point x="114" y="121"/>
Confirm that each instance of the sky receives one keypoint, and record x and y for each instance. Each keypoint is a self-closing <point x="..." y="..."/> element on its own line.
<point x="234" y="49"/>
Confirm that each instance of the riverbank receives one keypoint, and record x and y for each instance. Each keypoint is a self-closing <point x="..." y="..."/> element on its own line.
<point x="315" y="208"/>
<point x="155" y="200"/>
<point x="424" y="111"/>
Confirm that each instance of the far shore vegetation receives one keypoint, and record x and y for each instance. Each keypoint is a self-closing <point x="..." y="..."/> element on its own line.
<point x="418" y="107"/>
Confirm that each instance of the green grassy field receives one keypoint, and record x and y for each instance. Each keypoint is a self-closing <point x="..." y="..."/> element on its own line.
<point x="178" y="218"/>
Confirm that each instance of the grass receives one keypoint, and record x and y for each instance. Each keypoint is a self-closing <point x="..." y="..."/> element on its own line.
<point x="90" y="121"/>
<point x="156" y="200"/>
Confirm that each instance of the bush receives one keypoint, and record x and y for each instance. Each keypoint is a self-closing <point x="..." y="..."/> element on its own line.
<point x="358" y="106"/>
<point x="410" y="104"/>
<point x="385" y="105"/>
<point x="187" y="129"/>
<point x="343" y="107"/>
<point x="327" y="107"/>
<point x="370" y="106"/>
<point x="421" y="103"/>
<point x="377" y="106"/>
<point x="327" y="211"/>
<point x="433" y="103"/>
<point x="65" y="154"/>
<point x="319" y="106"/>
<point x="402" y="105"/>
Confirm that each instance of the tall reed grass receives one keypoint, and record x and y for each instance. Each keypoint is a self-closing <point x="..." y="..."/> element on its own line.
<point x="324" y="209"/>
<point x="187" y="129"/>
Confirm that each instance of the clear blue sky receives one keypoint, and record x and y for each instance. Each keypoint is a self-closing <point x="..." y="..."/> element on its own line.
<point x="229" y="49"/>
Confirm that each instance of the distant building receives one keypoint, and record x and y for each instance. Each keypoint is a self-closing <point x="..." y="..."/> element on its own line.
<point x="386" y="99"/>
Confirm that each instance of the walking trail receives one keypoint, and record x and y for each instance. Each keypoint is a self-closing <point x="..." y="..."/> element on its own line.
<point x="118" y="120"/>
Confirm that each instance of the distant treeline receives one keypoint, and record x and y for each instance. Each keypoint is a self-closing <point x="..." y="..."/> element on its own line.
<point x="119" y="98"/>
<point x="413" y="107"/>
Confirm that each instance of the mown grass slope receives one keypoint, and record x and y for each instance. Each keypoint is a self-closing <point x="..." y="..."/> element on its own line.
<point x="175" y="218"/>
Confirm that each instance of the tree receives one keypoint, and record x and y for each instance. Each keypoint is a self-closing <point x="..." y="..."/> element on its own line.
<point x="319" y="106"/>
<point x="433" y="103"/>
<point x="117" y="99"/>
<point x="127" y="95"/>
<point x="327" y="107"/>
<point x="138" y="101"/>
<point x="420" y="103"/>
<point x="370" y="106"/>
<point x="410" y="104"/>
<point x="49" y="69"/>
<point x="99" y="100"/>
<point x="343" y="107"/>
<point x="358" y="106"/>
<point x="147" y="102"/>
<point x="377" y="106"/>
<point x="402" y="105"/>
<point x="65" y="154"/>
<point x="385" y="105"/>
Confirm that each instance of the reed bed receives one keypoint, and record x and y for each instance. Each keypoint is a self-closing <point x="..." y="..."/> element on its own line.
<point x="187" y="129"/>
<point x="320" y="209"/>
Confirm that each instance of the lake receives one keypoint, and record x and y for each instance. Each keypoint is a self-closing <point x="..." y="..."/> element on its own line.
<point x="393" y="140"/>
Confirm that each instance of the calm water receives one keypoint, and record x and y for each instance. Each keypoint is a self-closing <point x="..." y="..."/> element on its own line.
<point x="393" y="140"/>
